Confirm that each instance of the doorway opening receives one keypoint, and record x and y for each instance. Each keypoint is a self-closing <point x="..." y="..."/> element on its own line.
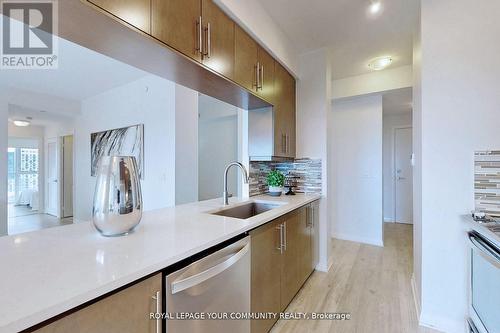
<point x="40" y="170"/>
<point x="397" y="156"/>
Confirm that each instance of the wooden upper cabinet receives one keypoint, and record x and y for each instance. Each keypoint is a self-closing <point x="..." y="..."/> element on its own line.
<point x="126" y="311"/>
<point x="291" y="123"/>
<point x="218" y="50"/>
<point x="266" y="73"/>
<point x="284" y="112"/>
<point x="176" y="23"/>
<point x="134" y="12"/>
<point x="245" y="59"/>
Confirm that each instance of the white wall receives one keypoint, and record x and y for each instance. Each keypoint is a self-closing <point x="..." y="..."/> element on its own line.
<point x="356" y="170"/>
<point x="3" y="162"/>
<point x="186" y="145"/>
<point x="390" y="122"/>
<point x="460" y="79"/>
<point x="252" y="16"/>
<point x="217" y="147"/>
<point x="374" y="82"/>
<point x="149" y="101"/>
<point x="417" y="168"/>
<point x="313" y="109"/>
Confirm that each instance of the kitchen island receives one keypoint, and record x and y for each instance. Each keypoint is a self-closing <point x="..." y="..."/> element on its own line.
<point x="48" y="272"/>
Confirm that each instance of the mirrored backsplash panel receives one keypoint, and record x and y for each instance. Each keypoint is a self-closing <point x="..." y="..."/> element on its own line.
<point x="487" y="182"/>
<point x="57" y="124"/>
<point x="307" y="171"/>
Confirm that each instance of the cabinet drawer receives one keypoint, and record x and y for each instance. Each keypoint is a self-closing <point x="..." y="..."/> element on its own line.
<point x="126" y="311"/>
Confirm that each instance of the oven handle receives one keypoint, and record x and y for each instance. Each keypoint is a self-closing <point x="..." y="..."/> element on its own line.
<point x="486" y="250"/>
<point x="472" y="327"/>
<point x="201" y="277"/>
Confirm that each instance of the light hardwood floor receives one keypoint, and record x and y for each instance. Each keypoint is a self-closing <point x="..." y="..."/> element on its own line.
<point x="371" y="283"/>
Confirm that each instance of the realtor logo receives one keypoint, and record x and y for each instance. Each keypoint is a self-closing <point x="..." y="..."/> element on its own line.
<point x="28" y="34"/>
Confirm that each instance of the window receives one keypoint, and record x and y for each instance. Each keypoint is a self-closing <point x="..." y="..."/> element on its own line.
<point x="22" y="171"/>
<point x="11" y="172"/>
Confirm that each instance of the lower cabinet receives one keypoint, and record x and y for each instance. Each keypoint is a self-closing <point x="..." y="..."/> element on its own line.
<point x="126" y="311"/>
<point x="266" y="273"/>
<point x="282" y="256"/>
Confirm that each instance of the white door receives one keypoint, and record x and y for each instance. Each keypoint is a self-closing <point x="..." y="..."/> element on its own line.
<point x="403" y="175"/>
<point x="52" y="178"/>
<point x="67" y="176"/>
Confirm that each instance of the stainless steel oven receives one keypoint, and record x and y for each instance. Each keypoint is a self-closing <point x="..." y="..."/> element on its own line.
<point x="484" y="304"/>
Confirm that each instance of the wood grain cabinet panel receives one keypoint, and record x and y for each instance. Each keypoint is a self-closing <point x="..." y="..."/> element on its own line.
<point x="176" y="23"/>
<point x="245" y="59"/>
<point x="284" y="112"/>
<point x="134" y="12"/>
<point x="291" y="119"/>
<point x="218" y="39"/>
<point x="290" y="266"/>
<point x="127" y="311"/>
<point x="266" y="272"/>
<point x="305" y="256"/>
<point x="266" y="72"/>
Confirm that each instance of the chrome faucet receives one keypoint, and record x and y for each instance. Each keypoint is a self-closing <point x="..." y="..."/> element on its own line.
<point x="246" y="179"/>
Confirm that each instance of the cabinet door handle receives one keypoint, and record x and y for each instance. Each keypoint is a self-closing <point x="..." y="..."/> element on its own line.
<point x="313" y="213"/>
<point x="209" y="41"/>
<point x="280" y="247"/>
<point x="283" y="143"/>
<point x="261" y="77"/>
<point x="256" y="76"/>
<point x="284" y="236"/>
<point x="308" y="216"/>
<point x="157" y="298"/>
<point x="207" y="45"/>
<point x="200" y="36"/>
<point x="286" y="144"/>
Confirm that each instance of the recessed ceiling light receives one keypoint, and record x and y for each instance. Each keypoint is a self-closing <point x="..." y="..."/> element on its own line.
<point x="380" y="63"/>
<point x="375" y="7"/>
<point x="22" y="123"/>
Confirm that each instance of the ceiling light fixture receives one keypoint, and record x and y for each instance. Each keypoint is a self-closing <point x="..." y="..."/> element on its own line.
<point x="380" y="63"/>
<point x="22" y="123"/>
<point x="375" y="7"/>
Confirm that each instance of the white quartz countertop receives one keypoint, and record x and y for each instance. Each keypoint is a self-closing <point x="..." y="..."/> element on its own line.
<point x="47" y="272"/>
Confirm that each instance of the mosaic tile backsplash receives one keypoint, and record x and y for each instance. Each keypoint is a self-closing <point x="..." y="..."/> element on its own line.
<point x="487" y="181"/>
<point x="307" y="171"/>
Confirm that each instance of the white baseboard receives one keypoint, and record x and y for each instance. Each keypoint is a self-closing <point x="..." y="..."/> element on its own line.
<point x="371" y="241"/>
<point x="388" y="220"/>
<point x="416" y="295"/>
<point x="322" y="267"/>
<point x="442" y="324"/>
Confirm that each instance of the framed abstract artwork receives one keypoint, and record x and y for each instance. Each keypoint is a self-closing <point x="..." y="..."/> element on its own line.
<point x="125" y="141"/>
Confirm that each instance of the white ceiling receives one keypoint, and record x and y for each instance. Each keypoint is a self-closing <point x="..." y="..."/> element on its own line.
<point x="38" y="117"/>
<point x="344" y="25"/>
<point x="397" y="101"/>
<point x="82" y="73"/>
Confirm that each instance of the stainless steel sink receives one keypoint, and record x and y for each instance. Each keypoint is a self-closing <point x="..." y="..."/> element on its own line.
<point x="247" y="210"/>
<point x="494" y="228"/>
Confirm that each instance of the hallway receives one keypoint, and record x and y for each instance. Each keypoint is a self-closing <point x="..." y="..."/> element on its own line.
<point x="371" y="283"/>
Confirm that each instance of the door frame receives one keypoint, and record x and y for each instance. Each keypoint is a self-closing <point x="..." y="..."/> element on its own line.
<point x="393" y="171"/>
<point x="56" y="141"/>
<point x="62" y="181"/>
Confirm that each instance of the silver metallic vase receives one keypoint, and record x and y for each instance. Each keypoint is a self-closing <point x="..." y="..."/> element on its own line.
<point x="117" y="206"/>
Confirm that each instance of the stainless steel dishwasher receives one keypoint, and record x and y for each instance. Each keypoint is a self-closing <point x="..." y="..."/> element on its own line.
<point x="214" y="286"/>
